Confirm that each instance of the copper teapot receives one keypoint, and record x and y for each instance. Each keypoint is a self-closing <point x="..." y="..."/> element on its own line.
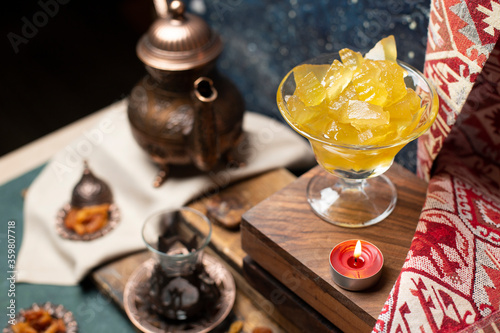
<point x="184" y="112"/>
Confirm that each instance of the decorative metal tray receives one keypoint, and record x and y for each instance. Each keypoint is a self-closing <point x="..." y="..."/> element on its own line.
<point x="151" y="323"/>
<point x="113" y="219"/>
<point x="56" y="311"/>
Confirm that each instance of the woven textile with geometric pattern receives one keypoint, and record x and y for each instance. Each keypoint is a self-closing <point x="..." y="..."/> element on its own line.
<point x="461" y="36"/>
<point x="451" y="277"/>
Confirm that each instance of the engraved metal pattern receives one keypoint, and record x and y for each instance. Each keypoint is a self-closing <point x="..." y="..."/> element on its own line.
<point x="113" y="219"/>
<point x="151" y="323"/>
<point x="56" y="311"/>
<point x="90" y="190"/>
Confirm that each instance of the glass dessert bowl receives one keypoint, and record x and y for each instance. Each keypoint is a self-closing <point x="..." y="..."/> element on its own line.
<point x="354" y="152"/>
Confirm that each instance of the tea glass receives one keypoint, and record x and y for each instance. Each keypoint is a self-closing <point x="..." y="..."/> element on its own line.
<point x="176" y="239"/>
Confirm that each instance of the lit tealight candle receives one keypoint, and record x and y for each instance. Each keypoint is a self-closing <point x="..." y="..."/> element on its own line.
<point x="356" y="264"/>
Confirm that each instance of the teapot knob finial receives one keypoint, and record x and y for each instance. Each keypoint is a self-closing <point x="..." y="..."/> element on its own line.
<point x="177" y="9"/>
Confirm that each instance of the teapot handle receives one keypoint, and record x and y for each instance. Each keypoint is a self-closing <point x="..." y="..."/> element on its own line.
<point x="161" y="8"/>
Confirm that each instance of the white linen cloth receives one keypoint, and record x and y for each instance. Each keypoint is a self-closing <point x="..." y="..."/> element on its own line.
<point x="114" y="156"/>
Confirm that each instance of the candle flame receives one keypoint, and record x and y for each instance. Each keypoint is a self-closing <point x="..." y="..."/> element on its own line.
<point x="357" y="250"/>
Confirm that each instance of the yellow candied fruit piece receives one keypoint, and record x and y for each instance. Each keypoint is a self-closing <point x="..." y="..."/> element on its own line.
<point x="350" y="58"/>
<point x="366" y="81"/>
<point x="363" y="100"/>
<point x="302" y="70"/>
<point x="298" y="110"/>
<point x="336" y="79"/>
<point x="406" y="107"/>
<point x="332" y="130"/>
<point x="383" y="135"/>
<point x="392" y="77"/>
<point x="345" y="134"/>
<point x="385" y="49"/>
<point x="410" y="128"/>
<point x="365" y="135"/>
<point x="309" y="118"/>
<point x="364" y="115"/>
<point x="320" y="125"/>
<point x="337" y="107"/>
<point x="309" y="90"/>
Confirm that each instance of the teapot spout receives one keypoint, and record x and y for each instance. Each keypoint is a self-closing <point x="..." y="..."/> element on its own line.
<point x="204" y="138"/>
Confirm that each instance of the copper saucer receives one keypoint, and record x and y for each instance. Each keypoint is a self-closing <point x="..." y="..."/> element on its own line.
<point x="56" y="311"/>
<point x="150" y="323"/>
<point x="113" y="219"/>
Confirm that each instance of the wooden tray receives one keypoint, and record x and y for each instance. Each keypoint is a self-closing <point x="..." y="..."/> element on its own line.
<point x="288" y="240"/>
<point x="225" y="245"/>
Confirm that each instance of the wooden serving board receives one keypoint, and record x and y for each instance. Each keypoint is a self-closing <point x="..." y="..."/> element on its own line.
<point x="286" y="302"/>
<point x="289" y="241"/>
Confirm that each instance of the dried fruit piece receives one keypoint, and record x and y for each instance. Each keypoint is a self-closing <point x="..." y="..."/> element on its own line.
<point x="236" y="327"/>
<point x="87" y="220"/>
<point x="309" y="90"/>
<point x="57" y="326"/>
<point x="23" y="327"/>
<point x="39" y="321"/>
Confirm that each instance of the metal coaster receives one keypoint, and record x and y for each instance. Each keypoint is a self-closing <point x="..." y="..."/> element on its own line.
<point x="150" y="323"/>
<point x="56" y="311"/>
<point x="113" y="219"/>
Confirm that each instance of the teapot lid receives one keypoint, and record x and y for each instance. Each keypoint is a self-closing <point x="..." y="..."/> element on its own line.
<point x="178" y="40"/>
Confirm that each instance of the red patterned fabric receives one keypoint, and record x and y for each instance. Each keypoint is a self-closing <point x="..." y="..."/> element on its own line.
<point x="451" y="277"/>
<point x="461" y="36"/>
